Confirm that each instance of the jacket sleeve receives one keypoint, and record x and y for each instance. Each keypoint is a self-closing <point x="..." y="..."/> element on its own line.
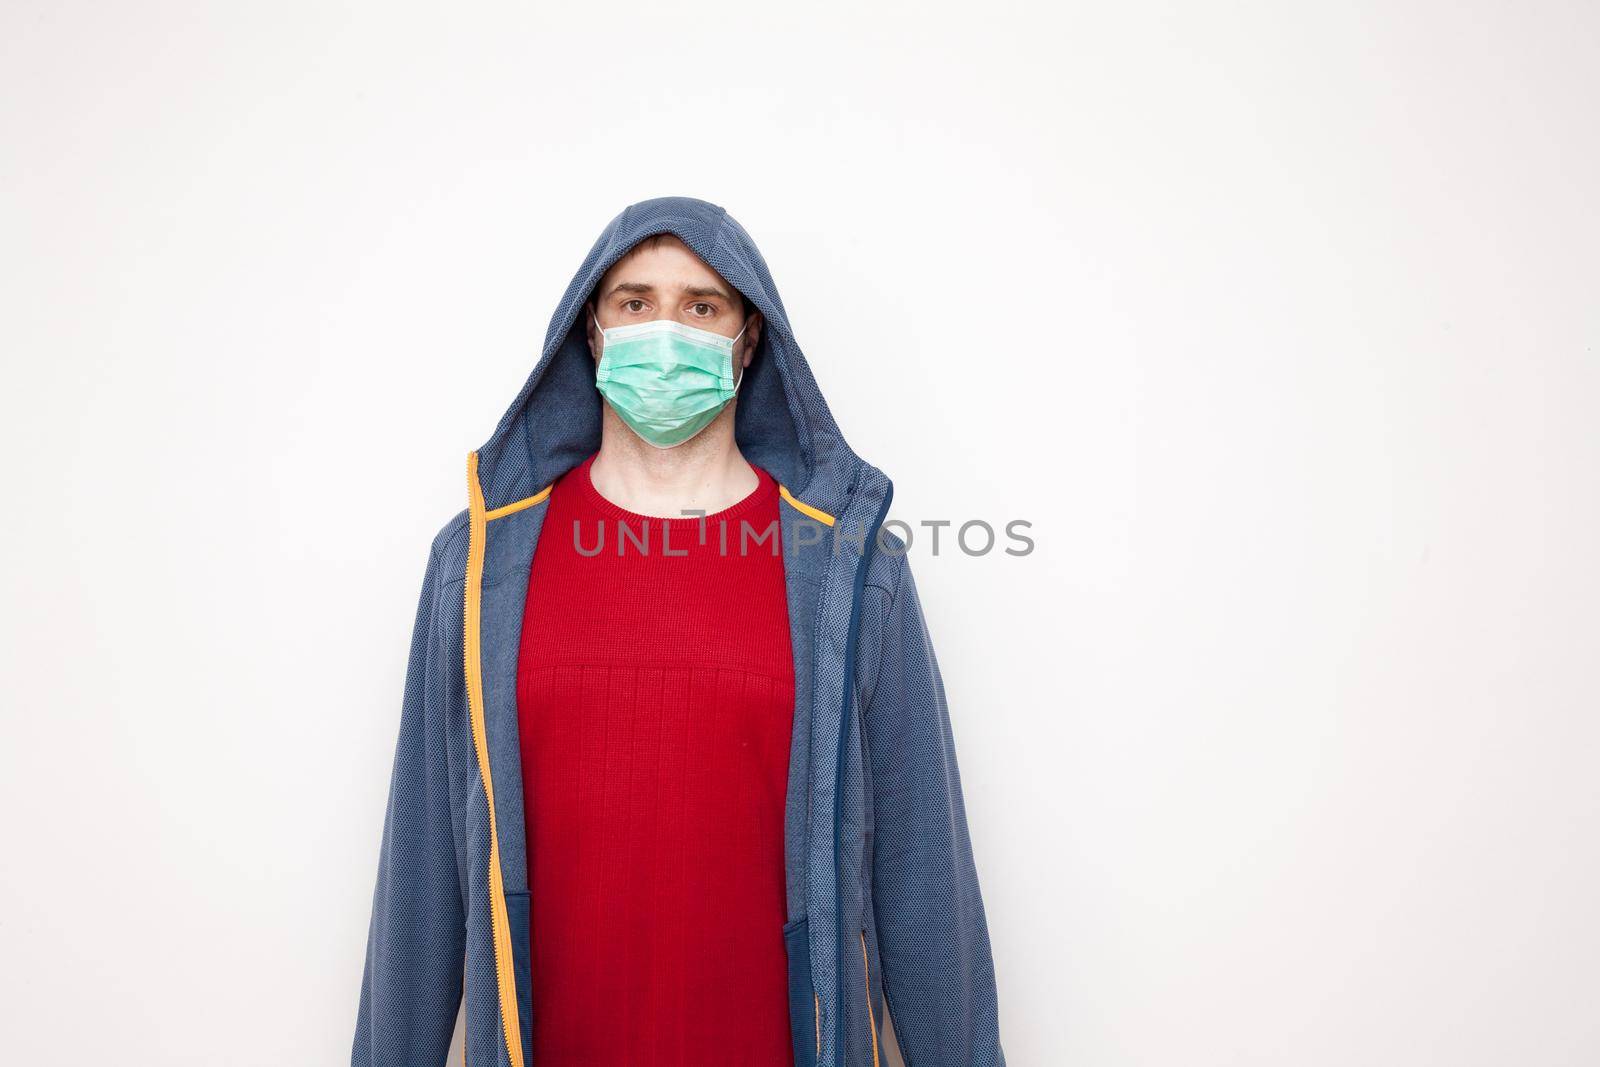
<point x="937" y="969"/>
<point x="411" y="983"/>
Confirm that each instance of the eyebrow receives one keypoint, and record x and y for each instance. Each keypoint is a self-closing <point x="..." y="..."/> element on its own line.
<point x="688" y="290"/>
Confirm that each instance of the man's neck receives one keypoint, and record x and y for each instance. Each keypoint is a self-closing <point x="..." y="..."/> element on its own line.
<point x="706" y="472"/>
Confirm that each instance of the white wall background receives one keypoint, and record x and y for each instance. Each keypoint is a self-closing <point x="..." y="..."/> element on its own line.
<point x="1279" y="323"/>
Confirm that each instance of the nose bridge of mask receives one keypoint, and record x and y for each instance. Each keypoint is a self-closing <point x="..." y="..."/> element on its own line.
<point x="660" y="343"/>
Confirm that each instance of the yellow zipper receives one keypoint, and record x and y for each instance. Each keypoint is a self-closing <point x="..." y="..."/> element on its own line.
<point x="499" y="921"/>
<point x="871" y="1016"/>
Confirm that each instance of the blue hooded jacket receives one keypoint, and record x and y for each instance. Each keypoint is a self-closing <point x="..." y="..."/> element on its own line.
<point x="882" y="894"/>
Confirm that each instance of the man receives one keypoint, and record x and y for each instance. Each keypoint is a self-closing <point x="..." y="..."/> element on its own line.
<point x="675" y="780"/>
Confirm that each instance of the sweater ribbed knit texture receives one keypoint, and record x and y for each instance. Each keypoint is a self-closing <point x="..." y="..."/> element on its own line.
<point x="655" y="699"/>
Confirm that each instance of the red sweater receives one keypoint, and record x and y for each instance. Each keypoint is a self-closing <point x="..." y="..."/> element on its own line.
<point x="655" y="698"/>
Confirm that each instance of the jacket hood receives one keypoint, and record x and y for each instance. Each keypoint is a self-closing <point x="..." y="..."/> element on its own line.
<point x="781" y="421"/>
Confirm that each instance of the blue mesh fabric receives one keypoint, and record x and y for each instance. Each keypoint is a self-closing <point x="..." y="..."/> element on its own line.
<point x="876" y="847"/>
<point x="932" y="942"/>
<point x="411" y="981"/>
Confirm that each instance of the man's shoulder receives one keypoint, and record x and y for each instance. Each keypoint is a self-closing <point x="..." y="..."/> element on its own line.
<point x="450" y="548"/>
<point x="887" y="565"/>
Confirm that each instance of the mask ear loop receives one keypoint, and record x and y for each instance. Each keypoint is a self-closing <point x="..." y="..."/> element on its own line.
<point x="740" y="379"/>
<point x="600" y="366"/>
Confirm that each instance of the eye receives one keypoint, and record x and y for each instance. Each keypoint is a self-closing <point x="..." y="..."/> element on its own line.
<point x="628" y="305"/>
<point x="707" y="313"/>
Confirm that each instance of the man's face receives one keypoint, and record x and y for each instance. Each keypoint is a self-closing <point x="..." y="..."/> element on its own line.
<point x="665" y="280"/>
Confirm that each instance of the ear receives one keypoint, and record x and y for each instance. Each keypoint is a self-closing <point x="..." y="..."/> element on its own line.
<point x="752" y="336"/>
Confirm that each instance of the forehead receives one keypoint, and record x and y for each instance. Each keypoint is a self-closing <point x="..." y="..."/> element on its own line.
<point x="667" y="263"/>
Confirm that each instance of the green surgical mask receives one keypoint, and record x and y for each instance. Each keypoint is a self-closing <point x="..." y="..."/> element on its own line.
<point x="666" y="380"/>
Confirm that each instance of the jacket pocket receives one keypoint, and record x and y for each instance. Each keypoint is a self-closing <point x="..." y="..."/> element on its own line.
<point x="805" y="1009"/>
<point x="517" y="914"/>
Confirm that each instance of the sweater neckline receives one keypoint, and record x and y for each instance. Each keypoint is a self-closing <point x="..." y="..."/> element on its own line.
<point x="582" y="479"/>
